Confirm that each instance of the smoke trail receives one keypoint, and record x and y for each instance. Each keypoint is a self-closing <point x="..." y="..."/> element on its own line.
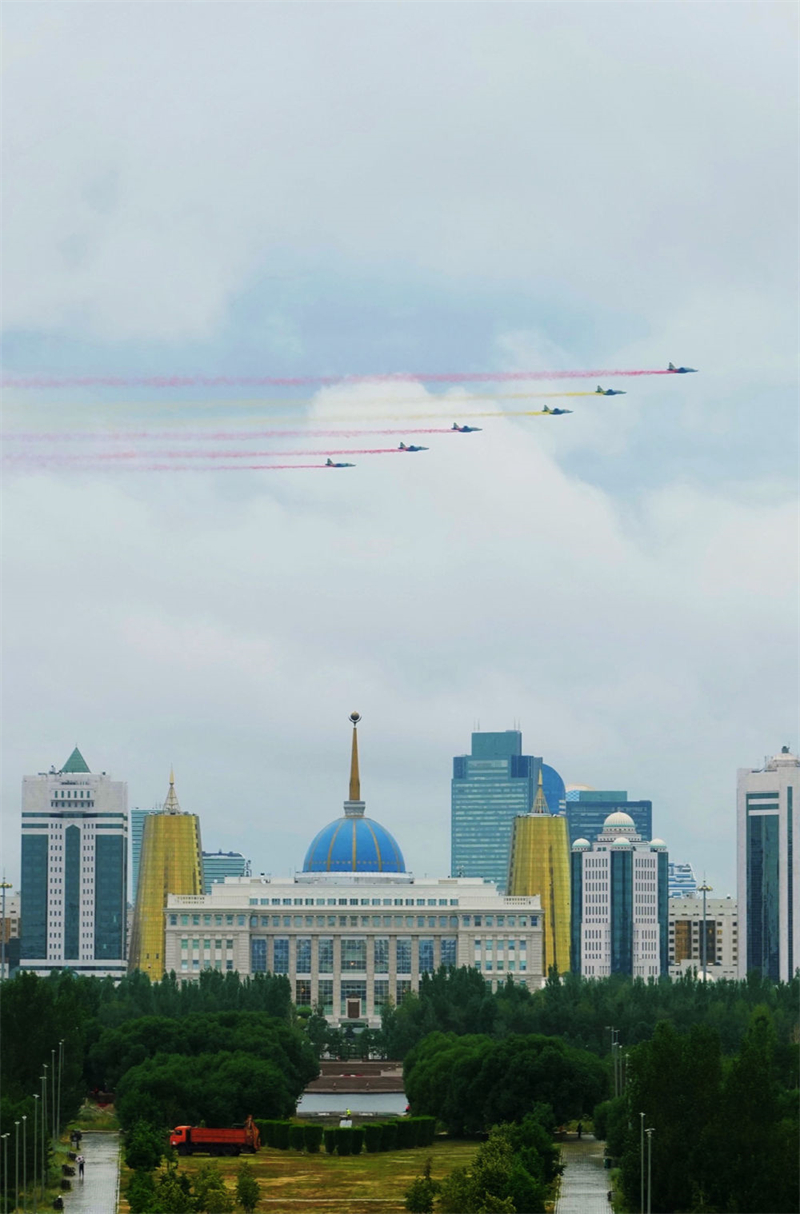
<point x="270" y="402"/>
<point x="299" y="381"/>
<point x="71" y="436"/>
<point x="111" y="457"/>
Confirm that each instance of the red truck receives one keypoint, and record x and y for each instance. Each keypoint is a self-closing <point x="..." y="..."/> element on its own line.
<point x="192" y="1139"/>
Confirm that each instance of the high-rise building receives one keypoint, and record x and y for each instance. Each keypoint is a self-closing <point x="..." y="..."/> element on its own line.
<point x="137" y="817"/>
<point x="686" y="937"/>
<point x="540" y="865"/>
<point x="217" y="865"/>
<point x="170" y="864"/>
<point x="682" y="881"/>
<point x="588" y="808"/>
<point x="74" y="871"/>
<point x="768" y="869"/>
<point x="490" y="788"/>
<point x="620" y="903"/>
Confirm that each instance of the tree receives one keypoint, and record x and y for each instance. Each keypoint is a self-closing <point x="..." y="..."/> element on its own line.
<point x="141" y="1193"/>
<point x="210" y="1193"/>
<point x="144" y="1147"/>
<point x="248" y="1193"/>
<point x="419" y="1197"/>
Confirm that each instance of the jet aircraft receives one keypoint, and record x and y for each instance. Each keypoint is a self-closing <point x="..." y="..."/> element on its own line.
<point x="465" y="429"/>
<point x="330" y="464"/>
<point x="555" y="412"/>
<point x="410" y="447"/>
<point x="681" y="370"/>
<point x="608" y="391"/>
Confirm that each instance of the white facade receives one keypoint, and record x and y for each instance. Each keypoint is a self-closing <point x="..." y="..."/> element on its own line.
<point x="619" y="896"/>
<point x="768" y="870"/>
<point x="354" y="941"/>
<point x="73" y="914"/>
<point x="686" y="937"/>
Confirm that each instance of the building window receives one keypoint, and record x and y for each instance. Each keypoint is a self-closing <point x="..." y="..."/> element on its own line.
<point x="303" y="958"/>
<point x="381" y="993"/>
<point x="353" y="998"/>
<point x="404" y="955"/>
<point x="426" y="956"/>
<point x="258" y="955"/>
<point x="325" y="995"/>
<point x="325" y="955"/>
<point x="354" y="954"/>
<point x="402" y="987"/>
<point x="381" y="945"/>
<point x="449" y="950"/>
<point x="281" y="955"/>
<point x="302" y="992"/>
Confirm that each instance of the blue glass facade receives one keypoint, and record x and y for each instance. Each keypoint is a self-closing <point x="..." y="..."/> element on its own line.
<point x="110" y="896"/>
<point x="763" y="893"/>
<point x="587" y="811"/>
<point x="621" y="912"/>
<point x="490" y="787"/>
<point x="33" y="903"/>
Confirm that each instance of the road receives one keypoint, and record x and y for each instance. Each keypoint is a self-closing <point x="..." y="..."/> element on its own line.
<point x="585" y="1183"/>
<point x="97" y="1192"/>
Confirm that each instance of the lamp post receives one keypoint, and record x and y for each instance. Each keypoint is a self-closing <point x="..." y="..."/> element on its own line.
<point x="44" y="1131"/>
<point x="641" y="1160"/>
<point x="614" y="1047"/>
<point x="53" y="1093"/>
<point x="60" y="1068"/>
<point x="4" y="1138"/>
<point x="16" y="1163"/>
<point x="649" y="1132"/>
<point x="4" y="885"/>
<point x="25" y="1162"/>
<point x="35" y="1151"/>
<point x="705" y="888"/>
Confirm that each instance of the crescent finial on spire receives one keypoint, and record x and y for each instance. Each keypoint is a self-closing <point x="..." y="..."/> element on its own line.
<point x="355" y="779"/>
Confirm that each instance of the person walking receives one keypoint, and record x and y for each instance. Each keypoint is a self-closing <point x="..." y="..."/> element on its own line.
<point x="81" y="1161"/>
<point x="580" y="1129"/>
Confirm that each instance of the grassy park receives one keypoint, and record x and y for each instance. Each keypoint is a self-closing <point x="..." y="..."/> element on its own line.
<point x="358" y="1184"/>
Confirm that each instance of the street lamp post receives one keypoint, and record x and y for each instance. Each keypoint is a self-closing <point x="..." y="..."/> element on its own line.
<point x="60" y="1068"/>
<point x="44" y="1131"/>
<point x="53" y="1093"/>
<point x="16" y="1163"/>
<point x="35" y="1151"/>
<point x="705" y="888"/>
<point x="641" y="1160"/>
<point x="649" y="1132"/>
<point x="25" y="1162"/>
<point x="4" y="1140"/>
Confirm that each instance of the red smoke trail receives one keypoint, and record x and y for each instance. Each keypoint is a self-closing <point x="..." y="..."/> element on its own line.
<point x="299" y="381"/>
<point x="215" y="436"/>
<point x="106" y="456"/>
<point x="44" y="466"/>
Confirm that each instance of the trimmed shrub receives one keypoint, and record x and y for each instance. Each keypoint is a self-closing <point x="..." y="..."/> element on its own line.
<point x="297" y="1137"/>
<point x="312" y="1137"/>
<point x="281" y="1135"/>
<point x="373" y="1136"/>
<point x="426" y="1131"/>
<point x="358" y="1139"/>
<point x="406" y="1133"/>
<point x="329" y="1138"/>
<point x="344" y="1140"/>
<point x="266" y="1129"/>
<point x="389" y="1136"/>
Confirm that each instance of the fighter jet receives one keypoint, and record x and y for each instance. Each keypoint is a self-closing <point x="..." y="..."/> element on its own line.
<point x="465" y="429"/>
<point x="682" y="370"/>
<point x="330" y="464"/>
<point x="410" y="447"/>
<point x="555" y="412"/>
<point x="609" y="391"/>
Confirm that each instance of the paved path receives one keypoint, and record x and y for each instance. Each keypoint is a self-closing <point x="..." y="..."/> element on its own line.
<point x="585" y="1183"/>
<point x="97" y="1192"/>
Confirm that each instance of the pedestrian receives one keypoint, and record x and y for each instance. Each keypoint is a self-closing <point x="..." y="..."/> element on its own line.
<point x="81" y="1162"/>
<point x="580" y="1129"/>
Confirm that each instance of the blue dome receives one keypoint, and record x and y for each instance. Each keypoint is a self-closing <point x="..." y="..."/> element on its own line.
<point x="554" y="790"/>
<point x="354" y="845"/>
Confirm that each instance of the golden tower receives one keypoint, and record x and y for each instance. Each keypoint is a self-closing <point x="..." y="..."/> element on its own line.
<point x="540" y="865"/>
<point x="171" y="863"/>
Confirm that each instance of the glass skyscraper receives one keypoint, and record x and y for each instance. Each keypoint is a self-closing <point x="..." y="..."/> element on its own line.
<point x="768" y="873"/>
<point x="682" y="881"/>
<point x="74" y="871"/>
<point x="540" y="865"/>
<point x="490" y="788"/>
<point x="587" y="810"/>
<point x="217" y="865"/>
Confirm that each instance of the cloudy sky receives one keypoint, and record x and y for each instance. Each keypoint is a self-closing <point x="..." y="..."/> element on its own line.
<point x="290" y="189"/>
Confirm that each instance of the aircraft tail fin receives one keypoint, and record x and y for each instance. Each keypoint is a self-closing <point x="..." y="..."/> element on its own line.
<point x="671" y="367"/>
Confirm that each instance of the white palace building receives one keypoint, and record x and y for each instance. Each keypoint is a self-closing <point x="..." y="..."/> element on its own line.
<point x="354" y="930"/>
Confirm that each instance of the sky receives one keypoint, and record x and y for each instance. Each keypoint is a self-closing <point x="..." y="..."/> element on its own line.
<point x="341" y="189"/>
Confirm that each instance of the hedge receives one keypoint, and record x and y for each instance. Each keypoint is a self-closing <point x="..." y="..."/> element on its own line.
<point x="312" y="1137"/>
<point x="389" y="1136"/>
<point x="406" y="1133"/>
<point x="426" y="1130"/>
<point x="358" y="1139"/>
<point x="373" y="1136"/>
<point x="266" y="1130"/>
<point x="297" y="1137"/>
<point x="344" y="1140"/>
<point x="329" y="1137"/>
<point x="281" y="1135"/>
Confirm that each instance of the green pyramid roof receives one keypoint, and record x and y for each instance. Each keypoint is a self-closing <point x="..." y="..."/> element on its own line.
<point x="75" y="762"/>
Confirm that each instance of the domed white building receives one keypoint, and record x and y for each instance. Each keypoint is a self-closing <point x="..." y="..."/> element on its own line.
<point x="620" y="902"/>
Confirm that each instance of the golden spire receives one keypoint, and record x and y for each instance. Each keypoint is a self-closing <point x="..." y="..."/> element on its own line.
<point x="171" y="805"/>
<point x="540" y="801"/>
<point x="355" y="780"/>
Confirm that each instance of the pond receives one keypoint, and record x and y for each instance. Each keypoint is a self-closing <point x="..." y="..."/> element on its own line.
<point x="393" y="1104"/>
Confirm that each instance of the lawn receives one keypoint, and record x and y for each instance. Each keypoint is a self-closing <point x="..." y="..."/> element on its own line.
<point x="359" y="1184"/>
